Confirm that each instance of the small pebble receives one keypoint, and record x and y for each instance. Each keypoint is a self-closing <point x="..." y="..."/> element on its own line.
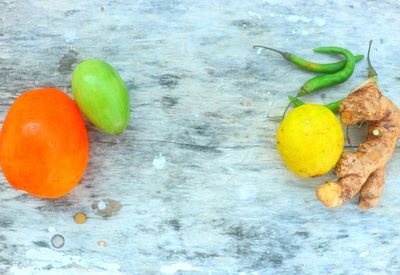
<point x="375" y="132"/>
<point x="80" y="218"/>
<point x="57" y="241"/>
<point x="102" y="243"/>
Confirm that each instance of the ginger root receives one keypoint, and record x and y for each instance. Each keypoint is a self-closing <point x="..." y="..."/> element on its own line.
<point x="363" y="171"/>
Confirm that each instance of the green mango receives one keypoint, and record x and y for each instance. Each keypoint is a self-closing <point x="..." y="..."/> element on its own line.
<point x="101" y="95"/>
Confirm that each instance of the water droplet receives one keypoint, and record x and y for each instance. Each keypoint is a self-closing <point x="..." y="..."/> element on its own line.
<point x="102" y="205"/>
<point x="363" y="254"/>
<point x="57" y="241"/>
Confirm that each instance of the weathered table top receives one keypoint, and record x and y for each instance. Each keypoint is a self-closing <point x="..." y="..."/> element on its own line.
<point x="200" y="183"/>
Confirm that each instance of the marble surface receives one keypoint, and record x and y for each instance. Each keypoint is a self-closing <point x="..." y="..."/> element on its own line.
<point x="201" y="186"/>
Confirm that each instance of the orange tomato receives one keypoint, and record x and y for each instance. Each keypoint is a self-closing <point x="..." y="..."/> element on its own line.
<point x="44" y="144"/>
<point x="0" y="145"/>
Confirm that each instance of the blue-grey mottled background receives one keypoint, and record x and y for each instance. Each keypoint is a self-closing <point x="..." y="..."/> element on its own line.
<point x="200" y="182"/>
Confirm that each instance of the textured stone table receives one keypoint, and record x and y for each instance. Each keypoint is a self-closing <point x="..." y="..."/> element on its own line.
<point x="201" y="186"/>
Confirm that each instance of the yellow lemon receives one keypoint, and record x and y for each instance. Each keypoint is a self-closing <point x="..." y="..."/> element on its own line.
<point x="310" y="140"/>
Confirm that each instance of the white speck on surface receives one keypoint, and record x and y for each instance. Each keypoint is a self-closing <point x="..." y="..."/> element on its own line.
<point x="296" y="18"/>
<point x="52" y="229"/>
<point x="305" y="19"/>
<point x="272" y="14"/>
<point x="70" y="37"/>
<point x="102" y="205"/>
<point x="109" y="266"/>
<point x="304" y="32"/>
<point x="254" y="14"/>
<point x="173" y="268"/>
<point x="259" y="51"/>
<point x="293" y="18"/>
<point x="319" y="21"/>
<point x="247" y="193"/>
<point x="159" y="162"/>
<point x="364" y="254"/>
<point x="41" y="257"/>
<point x="15" y="270"/>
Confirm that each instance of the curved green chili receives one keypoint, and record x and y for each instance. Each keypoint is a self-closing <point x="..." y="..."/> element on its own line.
<point x="333" y="106"/>
<point x="312" y="66"/>
<point x="296" y="102"/>
<point x="328" y="80"/>
<point x="371" y="71"/>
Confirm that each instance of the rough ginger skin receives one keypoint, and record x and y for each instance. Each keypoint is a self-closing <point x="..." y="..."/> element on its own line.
<point x="363" y="171"/>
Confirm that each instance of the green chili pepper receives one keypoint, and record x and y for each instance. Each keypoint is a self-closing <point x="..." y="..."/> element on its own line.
<point x="333" y="106"/>
<point x="371" y="71"/>
<point x="296" y="102"/>
<point x="311" y="66"/>
<point x="328" y="80"/>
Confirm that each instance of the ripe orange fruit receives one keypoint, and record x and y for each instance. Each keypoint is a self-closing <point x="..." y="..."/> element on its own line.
<point x="310" y="140"/>
<point x="44" y="144"/>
